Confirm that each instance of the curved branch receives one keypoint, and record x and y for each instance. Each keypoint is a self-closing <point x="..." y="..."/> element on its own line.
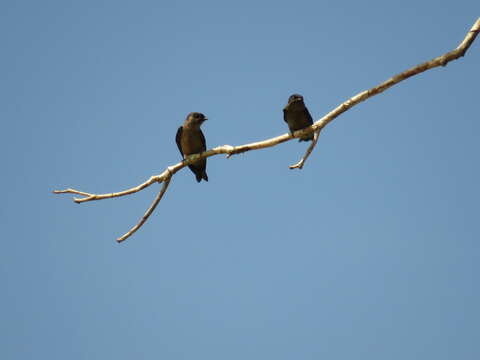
<point x="316" y="127"/>
<point x="442" y="60"/>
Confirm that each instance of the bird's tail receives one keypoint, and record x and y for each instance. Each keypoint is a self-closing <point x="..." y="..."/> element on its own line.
<point x="200" y="176"/>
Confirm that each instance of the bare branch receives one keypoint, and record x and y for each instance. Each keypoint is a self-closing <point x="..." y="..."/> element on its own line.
<point x="90" y="197"/>
<point x="316" y="127"/>
<point x="153" y="179"/>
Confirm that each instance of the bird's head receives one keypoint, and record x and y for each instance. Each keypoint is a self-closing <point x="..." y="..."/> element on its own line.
<point x="196" y="118"/>
<point x="295" y="102"/>
<point x="295" y="98"/>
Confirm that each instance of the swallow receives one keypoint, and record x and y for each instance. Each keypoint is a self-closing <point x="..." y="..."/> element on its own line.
<point x="190" y="140"/>
<point x="297" y="117"/>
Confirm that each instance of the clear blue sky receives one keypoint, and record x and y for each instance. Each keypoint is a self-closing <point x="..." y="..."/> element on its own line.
<point x="371" y="252"/>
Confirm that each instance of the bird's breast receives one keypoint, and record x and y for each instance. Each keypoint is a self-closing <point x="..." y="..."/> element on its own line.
<point x="191" y="142"/>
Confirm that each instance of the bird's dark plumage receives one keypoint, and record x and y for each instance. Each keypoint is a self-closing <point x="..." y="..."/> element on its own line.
<point x="296" y="115"/>
<point x="190" y="140"/>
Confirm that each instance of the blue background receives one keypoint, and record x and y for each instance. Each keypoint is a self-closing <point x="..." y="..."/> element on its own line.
<point x="370" y="252"/>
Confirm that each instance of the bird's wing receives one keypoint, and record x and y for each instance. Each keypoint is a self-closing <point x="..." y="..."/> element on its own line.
<point x="309" y="117"/>
<point x="204" y="143"/>
<point x="285" y="115"/>
<point x="178" y="139"/>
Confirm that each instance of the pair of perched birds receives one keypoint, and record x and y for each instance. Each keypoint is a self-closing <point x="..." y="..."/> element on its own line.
<point x="190" y="139"/>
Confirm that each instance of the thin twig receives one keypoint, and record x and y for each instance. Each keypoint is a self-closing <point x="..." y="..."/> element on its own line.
<point x="316" y="127"/>
<point x="299" y="165"/>
<point x="147" y="213"/>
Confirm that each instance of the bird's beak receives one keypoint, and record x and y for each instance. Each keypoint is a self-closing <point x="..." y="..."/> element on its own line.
<point x="205" y="119"/>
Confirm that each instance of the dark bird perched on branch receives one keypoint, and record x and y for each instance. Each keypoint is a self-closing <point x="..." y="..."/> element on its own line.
<point x="190" y="140"/>
<point x="296" y="115"/>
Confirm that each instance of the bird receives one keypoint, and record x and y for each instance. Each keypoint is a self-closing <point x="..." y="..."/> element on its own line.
<point x="190" y="140"/>
<point x="296" y="115"/>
